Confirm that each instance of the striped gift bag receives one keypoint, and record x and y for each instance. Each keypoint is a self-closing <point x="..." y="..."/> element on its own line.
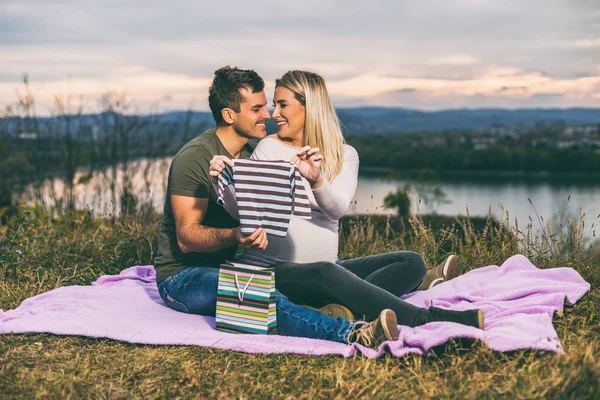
<point x="246" y="299"/>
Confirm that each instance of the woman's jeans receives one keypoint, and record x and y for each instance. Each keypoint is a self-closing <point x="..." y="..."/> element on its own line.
<point x="194" y="290"/>
<point x="365" y="285"/>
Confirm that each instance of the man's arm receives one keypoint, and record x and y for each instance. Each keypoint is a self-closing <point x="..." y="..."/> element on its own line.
<point x="192" y="236"/>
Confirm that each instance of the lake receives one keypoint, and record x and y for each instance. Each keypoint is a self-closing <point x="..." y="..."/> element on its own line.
<point x="549" y="197"/>
<point x="556" y="201"/>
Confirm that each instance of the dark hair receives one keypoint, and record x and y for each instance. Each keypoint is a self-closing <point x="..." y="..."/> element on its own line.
<point x="224" y="92"/>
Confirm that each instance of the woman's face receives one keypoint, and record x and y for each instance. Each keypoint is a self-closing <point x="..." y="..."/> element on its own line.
<point x="289" y="114"/>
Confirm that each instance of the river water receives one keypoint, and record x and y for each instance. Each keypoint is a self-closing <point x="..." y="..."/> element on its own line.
<point x="535" y="201"/>
<point x="557" y="201"/>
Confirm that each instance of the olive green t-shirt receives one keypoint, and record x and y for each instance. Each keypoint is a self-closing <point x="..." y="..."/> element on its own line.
<point x="189" y="176"/>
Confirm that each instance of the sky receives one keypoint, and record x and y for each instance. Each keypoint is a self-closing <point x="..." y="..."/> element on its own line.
<point x="421" y="54"/>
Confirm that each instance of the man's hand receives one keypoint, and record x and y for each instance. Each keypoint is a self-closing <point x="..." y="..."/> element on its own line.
<point x="217" y="165"/>
<point x="308" y="162"/>
<point x="257" y="239"/>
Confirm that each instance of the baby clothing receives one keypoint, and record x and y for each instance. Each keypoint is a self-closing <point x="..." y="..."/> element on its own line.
<point x="268" y="194"/>
<point x="307" y="240"/>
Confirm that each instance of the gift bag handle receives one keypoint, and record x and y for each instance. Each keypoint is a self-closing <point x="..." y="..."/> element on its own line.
<point x="243" y="291"/>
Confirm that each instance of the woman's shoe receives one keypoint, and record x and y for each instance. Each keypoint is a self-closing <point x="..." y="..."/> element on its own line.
<point x="450" y="267"/>
<point x="443" y="272"/>
<point x="469" y="317"/>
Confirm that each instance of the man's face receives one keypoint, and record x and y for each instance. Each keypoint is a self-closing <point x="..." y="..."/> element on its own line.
<point x="250" y="121"/>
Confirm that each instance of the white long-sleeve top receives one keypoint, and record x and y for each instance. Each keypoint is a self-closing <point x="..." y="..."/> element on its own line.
<point x="315" y="239"/>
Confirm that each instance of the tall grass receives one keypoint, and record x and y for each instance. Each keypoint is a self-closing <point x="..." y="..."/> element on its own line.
<point x="48" y="160"/>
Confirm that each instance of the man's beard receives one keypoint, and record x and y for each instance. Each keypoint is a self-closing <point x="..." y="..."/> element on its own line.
<point x="244" y="132"/>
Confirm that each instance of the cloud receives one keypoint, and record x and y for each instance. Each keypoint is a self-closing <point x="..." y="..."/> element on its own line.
<point x="500" y="86"/>
<point x="580" y="43"/>
<point x="406" y="90"/>
<point x="459" y="48"/>
<point x="142" y="86"/>
<point x="506" y="89"/>
<point x="424" y="101"/>
<point x="545" y="96"/>
<point x="587" y="43"/>
<point x="455" y="59"/>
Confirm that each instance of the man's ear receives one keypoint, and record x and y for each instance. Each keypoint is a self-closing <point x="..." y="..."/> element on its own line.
<point x="228" y="115"/>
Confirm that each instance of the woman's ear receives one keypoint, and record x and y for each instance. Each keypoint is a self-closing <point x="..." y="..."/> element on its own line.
<point x="228" y="115"/>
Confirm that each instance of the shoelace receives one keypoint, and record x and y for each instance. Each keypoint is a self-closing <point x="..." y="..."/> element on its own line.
<point x="363" y="334"/>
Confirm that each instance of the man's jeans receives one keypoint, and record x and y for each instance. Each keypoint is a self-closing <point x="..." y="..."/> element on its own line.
<point x="194" y="291"/>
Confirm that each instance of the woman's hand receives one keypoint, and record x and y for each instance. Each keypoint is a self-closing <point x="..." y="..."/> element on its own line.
<point x="217" y="165"/>
<point x="258" y="239"/>
<point x="308" y="162"/>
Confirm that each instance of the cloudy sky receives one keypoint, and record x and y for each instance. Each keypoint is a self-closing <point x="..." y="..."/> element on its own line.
<point x="418" y="54"/>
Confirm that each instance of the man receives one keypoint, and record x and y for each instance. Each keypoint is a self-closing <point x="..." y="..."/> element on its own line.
<point x="197" y="234"/>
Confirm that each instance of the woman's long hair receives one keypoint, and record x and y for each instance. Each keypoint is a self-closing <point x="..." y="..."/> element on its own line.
<point x="321" y="124"/>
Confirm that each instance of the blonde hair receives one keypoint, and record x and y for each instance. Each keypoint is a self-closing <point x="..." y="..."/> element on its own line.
<point x="321" y="124"/>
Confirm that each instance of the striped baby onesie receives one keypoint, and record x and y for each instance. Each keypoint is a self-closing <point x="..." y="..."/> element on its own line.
<point x="268" y="194"/>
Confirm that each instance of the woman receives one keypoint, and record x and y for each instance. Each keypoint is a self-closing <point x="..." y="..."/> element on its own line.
<point x="306" y="264"/>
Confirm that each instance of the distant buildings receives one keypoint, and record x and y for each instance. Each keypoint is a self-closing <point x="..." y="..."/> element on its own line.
<point x="28" y="136"/>
<point x="582" y="130"/>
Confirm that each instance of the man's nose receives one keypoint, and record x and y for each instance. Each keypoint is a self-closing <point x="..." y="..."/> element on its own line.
<point x="266" y="114"/>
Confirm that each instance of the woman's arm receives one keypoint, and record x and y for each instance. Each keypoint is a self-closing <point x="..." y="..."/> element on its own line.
<point x="334" y="198"/>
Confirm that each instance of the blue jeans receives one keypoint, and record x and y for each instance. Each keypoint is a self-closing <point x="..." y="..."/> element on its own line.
<point x="194" y="290"/>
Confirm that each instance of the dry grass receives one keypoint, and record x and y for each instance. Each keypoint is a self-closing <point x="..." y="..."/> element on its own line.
<point x="78" y="249"/>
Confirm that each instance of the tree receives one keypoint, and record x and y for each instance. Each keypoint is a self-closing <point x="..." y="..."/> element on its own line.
<point x="432" y="195"/>
<point x="400" y="199"/>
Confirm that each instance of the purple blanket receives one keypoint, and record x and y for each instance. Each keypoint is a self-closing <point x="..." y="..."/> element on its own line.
<point x="518" y="300"/>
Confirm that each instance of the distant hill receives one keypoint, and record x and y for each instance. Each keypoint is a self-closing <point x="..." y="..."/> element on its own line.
<point x="389" y="120"/>
<point x="364" y="120"/>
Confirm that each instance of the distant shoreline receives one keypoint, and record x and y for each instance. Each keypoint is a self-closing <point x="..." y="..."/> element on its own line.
<point x="547" y="176"/>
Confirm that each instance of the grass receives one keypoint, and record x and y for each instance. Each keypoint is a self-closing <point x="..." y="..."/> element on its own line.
<point x="59" y="251"/>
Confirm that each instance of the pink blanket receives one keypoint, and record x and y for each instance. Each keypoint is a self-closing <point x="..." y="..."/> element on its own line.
<point x="518" y="300"/>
